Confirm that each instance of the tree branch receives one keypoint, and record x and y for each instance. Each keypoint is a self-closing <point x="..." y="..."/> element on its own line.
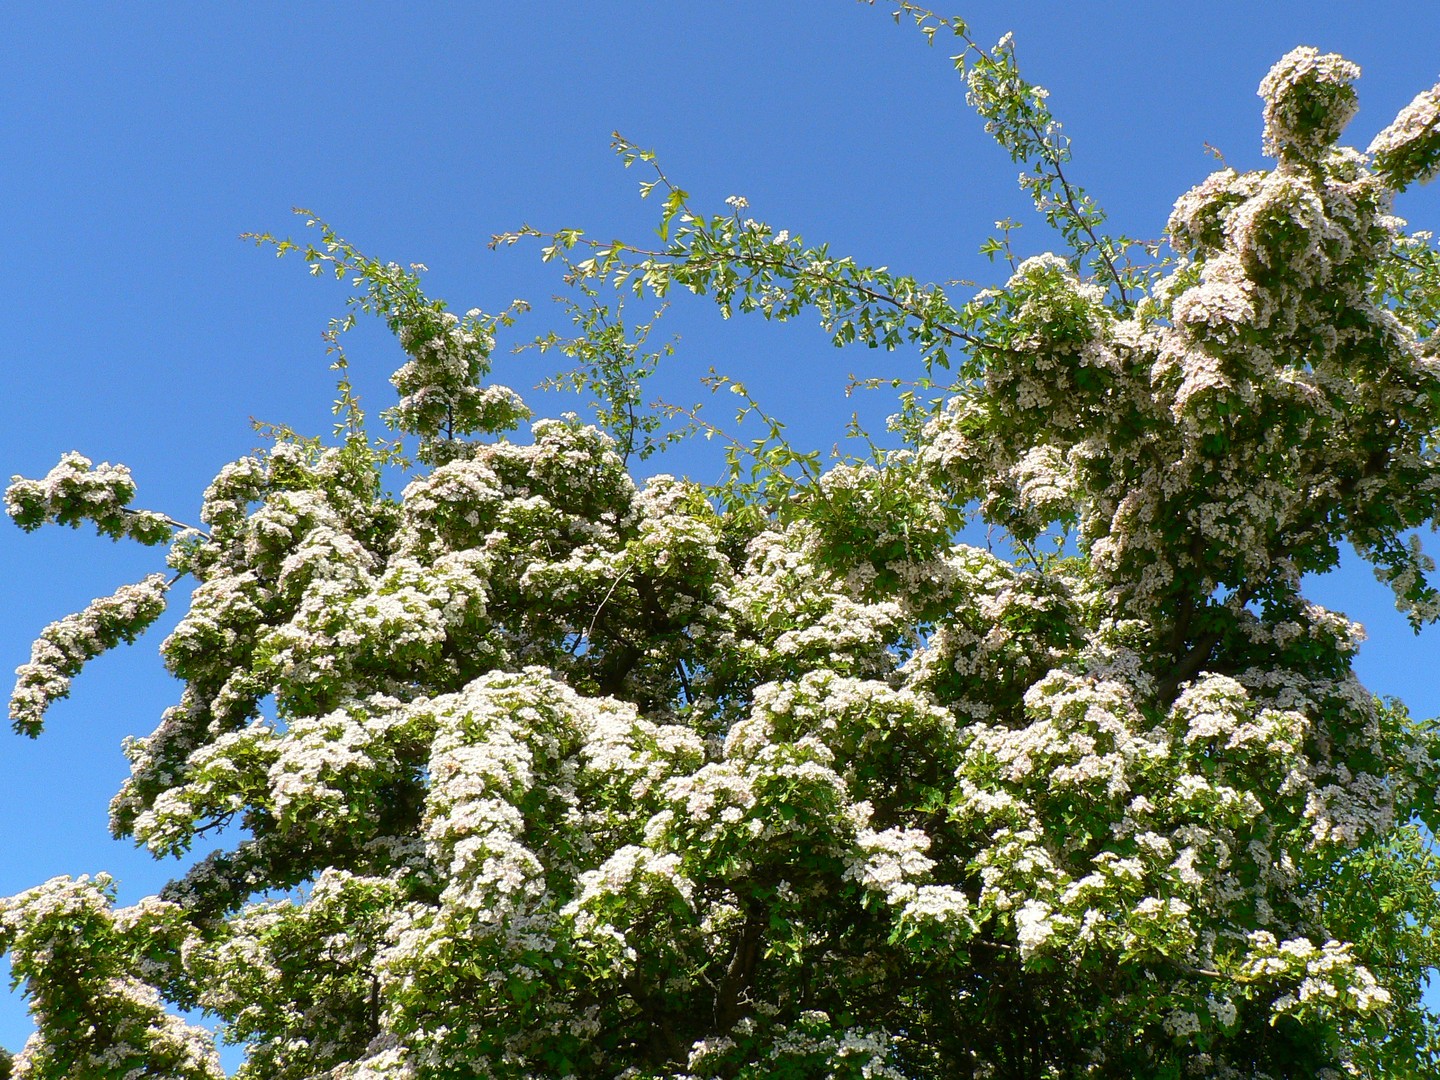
<point x="730" y="998"/>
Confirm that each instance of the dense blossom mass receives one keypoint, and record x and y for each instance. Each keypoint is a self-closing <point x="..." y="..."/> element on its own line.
<point x="541" y="771"/>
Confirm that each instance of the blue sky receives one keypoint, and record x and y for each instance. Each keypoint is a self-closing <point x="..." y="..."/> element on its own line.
<point x="138" y="141"/>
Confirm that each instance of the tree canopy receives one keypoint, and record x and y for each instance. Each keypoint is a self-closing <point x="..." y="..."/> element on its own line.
<point x="536" y="770"/>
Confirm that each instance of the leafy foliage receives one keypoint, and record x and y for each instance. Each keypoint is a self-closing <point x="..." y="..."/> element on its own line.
<point x="543" y="771"/>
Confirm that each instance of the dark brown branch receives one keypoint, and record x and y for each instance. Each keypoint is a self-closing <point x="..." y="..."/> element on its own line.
<point x="685" y="687"/>
<point x="1194" y="658"/>
<point x="730" y="998"/>
<point x="1188" y="667"/>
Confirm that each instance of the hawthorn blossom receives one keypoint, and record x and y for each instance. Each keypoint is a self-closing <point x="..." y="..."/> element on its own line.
<point x="63" y="647"/>
<point x="539" y="770"/>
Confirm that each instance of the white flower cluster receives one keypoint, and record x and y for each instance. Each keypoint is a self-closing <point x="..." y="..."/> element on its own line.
<point x="1408" y="150"/>
<point x="1308" y="101"/>
<point x="440" y="394"/>
<point x="1325" y="973"/>
<point x="96" y="1014"/>
<point x="77" y="490"/>
<point x="63" y="647"/>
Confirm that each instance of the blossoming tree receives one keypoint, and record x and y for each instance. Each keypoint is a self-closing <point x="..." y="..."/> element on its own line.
<point x="537" y="771"/>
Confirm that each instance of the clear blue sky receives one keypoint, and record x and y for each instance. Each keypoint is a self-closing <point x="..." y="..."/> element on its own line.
<point x="138" y="141"/>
